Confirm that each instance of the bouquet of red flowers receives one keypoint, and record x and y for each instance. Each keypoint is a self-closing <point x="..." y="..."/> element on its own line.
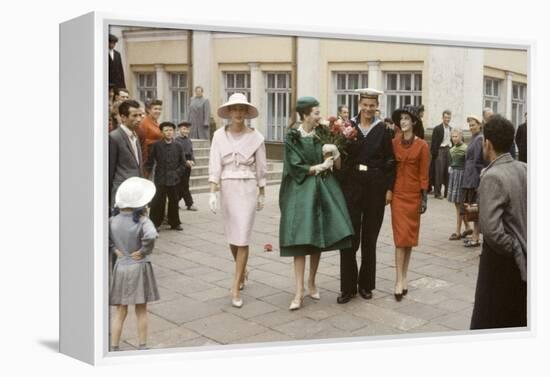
<point x="338" y="132"/>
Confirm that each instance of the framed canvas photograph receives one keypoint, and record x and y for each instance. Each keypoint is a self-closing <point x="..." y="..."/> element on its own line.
<point x="247" y="189"/>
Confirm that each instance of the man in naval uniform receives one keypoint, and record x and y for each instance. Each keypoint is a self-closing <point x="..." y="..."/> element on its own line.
<point x="367" y="183"/>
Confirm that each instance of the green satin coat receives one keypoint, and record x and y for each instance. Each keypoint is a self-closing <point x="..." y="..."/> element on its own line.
<point x="314" y="215"/>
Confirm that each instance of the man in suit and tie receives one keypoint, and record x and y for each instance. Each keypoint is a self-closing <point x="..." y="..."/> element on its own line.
<point x="441" y="143"/>
<point x="125" y="158"/>
<point x="116" y="71"/>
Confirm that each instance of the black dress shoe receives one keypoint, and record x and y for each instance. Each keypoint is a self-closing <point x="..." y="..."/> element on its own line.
<point x="367" y="295"/>
<point x="398" y="296"/>
<point x="177" y="227"/>
<point x="345" y="297"/>
<point x="405" y="291"/>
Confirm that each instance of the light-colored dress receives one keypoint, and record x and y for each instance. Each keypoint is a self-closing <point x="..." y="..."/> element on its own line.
<point x="132" y="282"/>
<point x="238" y="165"/>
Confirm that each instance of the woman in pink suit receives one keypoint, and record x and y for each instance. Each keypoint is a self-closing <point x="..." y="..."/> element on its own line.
<point x="238" y="168"/>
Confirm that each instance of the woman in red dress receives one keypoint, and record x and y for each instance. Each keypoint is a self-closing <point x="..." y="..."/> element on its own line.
<point x="409" y="195"/>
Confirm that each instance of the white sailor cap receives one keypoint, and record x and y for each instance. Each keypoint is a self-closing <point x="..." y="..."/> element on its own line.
<point x="369" y="92"/>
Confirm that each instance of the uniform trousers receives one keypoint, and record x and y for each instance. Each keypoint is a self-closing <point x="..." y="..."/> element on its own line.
<point x="365" y="194"/>
<point x="158" y="205"/>
<point x="183" y="188"/>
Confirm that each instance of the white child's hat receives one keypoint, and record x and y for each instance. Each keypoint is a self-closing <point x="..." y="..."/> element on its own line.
<point x="134" y="192"/>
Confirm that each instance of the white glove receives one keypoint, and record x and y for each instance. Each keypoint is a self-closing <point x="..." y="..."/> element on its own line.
<point x="328" y="164"/>
<point x="213" y="202"/>
<point x="261" y="201"/>
<point x="331" y="148"/>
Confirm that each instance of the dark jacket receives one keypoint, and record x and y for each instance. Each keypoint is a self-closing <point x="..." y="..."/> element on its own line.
<point x="474" y="162"/>
<point x="418" y="129"/>
<point x="116" y="71"/>
<point x="437" y="138"/>
<point x="375" y="150"/>
<point x="187" y="145"/>
<point x="521" y="142"/>
<point x="170" y="162"/>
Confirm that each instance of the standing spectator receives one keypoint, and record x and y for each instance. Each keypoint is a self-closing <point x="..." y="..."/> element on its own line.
<point x="441" y="143"/>
<point x="343" y="112"/>
<point x="149" y="131"/>
<point x="187" y="144"/>
<point x="487" y="115"/>
<point x="378" y="114"/>
<point x="199" y="115"/>
<point x="473" y="165"/>
<point x="419" y="126"/>
<point x="409" y="197"/>
<point x="313" y="214"/>
<point x="116" y="71"/>
<point x="125" y="159"/>
<point x="457" y="159"/>
<point x="521" y="140"/>
<point x="501" y="290"/>
<point x="120" y="94"/>
<point x="367" y="185"/>
<point x="391" y="127"/>
<point x="238" y="168"/>
<point x="132" y="238"/>
<point x="168" y="159"/>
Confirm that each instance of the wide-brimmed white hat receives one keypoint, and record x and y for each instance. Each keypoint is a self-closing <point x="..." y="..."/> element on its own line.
<point x="134" y="192"/>
<point x="237" y="99"/>
<point x="474" y="117"/>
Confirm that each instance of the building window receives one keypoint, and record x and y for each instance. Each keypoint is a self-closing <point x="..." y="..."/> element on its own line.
<point x="491" y="94"/>
<point x="346" y="83"/>
<point x="147" y="86"/>
<point x="278" y="105"/>
<point x="237" y="82"/>
<point x="180" y="100"/>
<point x="402" y="88"/>
<point x="518" y="103"/>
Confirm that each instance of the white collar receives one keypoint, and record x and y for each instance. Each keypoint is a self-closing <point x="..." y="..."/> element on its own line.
<point x="304" y="133"/>
<point x="128" y="131"/>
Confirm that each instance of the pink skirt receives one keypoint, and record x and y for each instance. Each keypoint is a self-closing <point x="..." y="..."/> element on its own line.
<point x="238" y="203"/>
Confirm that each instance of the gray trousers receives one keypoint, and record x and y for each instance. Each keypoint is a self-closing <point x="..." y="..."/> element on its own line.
<point x="441" y="171"/>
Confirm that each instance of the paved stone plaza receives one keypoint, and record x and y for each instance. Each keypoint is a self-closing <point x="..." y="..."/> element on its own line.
<point x="194" y="271"/>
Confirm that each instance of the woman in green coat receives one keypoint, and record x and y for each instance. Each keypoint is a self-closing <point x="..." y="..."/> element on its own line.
<point x="314" y="216"/>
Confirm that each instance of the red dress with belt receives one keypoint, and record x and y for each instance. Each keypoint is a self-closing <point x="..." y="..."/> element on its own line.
<point x="412" y="165"/>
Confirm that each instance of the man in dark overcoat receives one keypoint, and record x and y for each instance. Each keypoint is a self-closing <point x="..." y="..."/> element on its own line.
<point x="501" y="289"/>
<point x="116" y="70"/>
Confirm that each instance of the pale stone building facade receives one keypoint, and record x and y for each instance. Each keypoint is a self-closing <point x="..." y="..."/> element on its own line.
<point x="464" y="80"/>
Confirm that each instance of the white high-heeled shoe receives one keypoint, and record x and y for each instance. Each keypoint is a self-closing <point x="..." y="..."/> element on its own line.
<point x="315" y="295"/>
<point x="296" y="304"/>
<point x="237" y="302"/>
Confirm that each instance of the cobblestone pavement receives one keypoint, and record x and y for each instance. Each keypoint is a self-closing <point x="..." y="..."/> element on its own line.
<point x="194" y="272"/>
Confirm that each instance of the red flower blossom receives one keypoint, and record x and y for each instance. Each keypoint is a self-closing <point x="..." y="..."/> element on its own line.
<point x="268" y="247"/>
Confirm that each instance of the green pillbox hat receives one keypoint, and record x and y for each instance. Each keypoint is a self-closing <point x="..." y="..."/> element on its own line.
<point x="305" y="102"/>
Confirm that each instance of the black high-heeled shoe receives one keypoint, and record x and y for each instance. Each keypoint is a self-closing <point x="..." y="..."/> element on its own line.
<point x="405" y="291"/>
<point x="398" y="296"/>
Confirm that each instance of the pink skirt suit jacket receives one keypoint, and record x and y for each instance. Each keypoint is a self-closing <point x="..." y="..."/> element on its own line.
<point x="238" y="165"/>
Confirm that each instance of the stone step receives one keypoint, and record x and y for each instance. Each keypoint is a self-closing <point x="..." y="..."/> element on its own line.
<point x="200" y="143"/>
<point x="201" y="152"/>
<point x="203" y="189"/>
<point x="202" y="180"/>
